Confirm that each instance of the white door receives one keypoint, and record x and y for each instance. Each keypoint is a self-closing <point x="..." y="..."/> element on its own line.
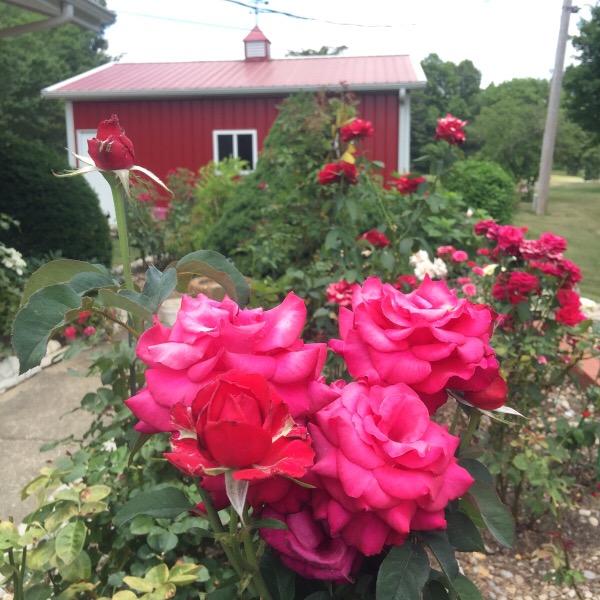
<point x="96" y="180"/>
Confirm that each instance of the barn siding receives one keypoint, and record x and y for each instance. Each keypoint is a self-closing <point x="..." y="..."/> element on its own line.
<point x="170" y="133"/>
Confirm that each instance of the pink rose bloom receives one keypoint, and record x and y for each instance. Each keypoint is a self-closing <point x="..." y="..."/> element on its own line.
<point x="70" y="333"/>
<point x="89" y="330"/>
<point x="428" y="339"/>
<point x="385" y="466"/>
<point x="340" y="293"/>
<point x="307" y="548"/>
<point x="210" y="338"/>
<point x="459" y="256"/>
<point x="450" y="129"/>
<point x="509" y="239"/>
<point x="469" y="289"/>
<point x="483" y="251"/>
<point x="488" y="228"/>
<point x="444" y="251"/>
<point x="478" y="271"/>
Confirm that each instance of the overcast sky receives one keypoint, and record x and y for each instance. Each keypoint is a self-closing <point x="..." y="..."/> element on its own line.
<point x="505" y="39"/>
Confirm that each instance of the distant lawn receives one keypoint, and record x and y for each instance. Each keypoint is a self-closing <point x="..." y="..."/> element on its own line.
<point x="573" y="212"/>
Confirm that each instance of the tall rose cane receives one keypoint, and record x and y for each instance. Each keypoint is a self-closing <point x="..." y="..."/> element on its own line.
<point x="112" y="154"/>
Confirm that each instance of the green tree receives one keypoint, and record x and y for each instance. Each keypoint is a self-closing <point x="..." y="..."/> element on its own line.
<point x="322" y="51"/>
<point x="451" y="89"/>
<point x="510" y="130"/>
<point x="33" y="61"/>
<point x="582" y="81"/>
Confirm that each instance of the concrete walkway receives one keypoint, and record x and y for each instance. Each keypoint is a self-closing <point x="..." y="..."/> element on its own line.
<point x="35" y="412"/>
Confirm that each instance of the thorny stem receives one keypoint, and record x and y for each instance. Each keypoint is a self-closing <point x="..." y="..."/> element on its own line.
<point x="471" y="428"/>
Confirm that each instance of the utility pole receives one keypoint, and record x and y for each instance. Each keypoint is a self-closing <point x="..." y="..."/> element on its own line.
<point x="552" y="115"/>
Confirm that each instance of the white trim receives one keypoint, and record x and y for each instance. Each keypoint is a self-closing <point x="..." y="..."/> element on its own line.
<point x="234" y="133"/>
<point x="71" y="140"/>
<point x="48" y="92"/>
<point x="403" y="131"/>
<point x="54" y="91"/>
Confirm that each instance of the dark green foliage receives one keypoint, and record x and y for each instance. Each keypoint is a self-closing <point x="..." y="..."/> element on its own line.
<point x="483" y="184"/>
<point x="280" y="213"/>
<point x="36" y="60"/>
<point x="591" y="164"/>
<point x="451" y="89"/>
<point x="55" y="215"/>
<point x="582" y="81"/>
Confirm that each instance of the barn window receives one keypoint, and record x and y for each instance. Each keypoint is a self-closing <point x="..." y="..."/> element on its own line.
<point x="239" y="143"/>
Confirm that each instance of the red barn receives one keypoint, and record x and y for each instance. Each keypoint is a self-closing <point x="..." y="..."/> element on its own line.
<point x="187" y="114"/>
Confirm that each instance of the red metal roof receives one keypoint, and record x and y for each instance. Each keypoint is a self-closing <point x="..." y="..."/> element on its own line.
<point x="256" y="35"/>
<point x="156" y="80"/>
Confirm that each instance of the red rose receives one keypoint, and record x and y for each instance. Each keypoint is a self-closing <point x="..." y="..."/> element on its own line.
<point x="488" y="228"/>
<point x="70" y="333"/>
<point x="493" y="396"/>
<point x="111" y="150"/>
<point x="83" y="317"/>
<point x="375" y="237"/>
<point x="240" y="423"/>
<point x="569" y="315"/>
<point x="335" y="172"/>
<point x="568" y="298"/>
<point x="514" y="286"/>
<point x="357" y="129"/>
<point x="408" y="184"/>
<point x="450" y="129"/>
<point x="509" y="239"/>
<point x="409" y="281"/>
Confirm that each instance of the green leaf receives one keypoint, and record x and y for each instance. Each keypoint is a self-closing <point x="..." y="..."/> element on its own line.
<point x="227" y="593"/>
<point x="40" y="591"/>
<point x="39" y="559"/>
<point x="185" y="574"/>
<point x="44" y="312"/>
<point x="406" y="246"/>
<point x="167" y="502"/>
<point x="495" y="515"/>
<point x="437" y="541"/>
<point x="124" y="595"/>
<point x="279" y="579"/>
<point x="70" y="540"/>
<point x="132" y="302"/>
<point x="158" y="286"/>
<point x="136" y="443"/>
<point x="79" y="569"/>
<point x="477" y="470"/>
<point x="95" y="493"/>
<point x="157" y="575"/>
<point x="387" y="260"/>
<point x="215" y="266"/>
<point x="465" y="588"/>
<point x="54" y="272"/>
<point x="403" y="573"/>
<point x="268" y="524"/>
<point x="434" y="590"/>
<point x="162" y="542"/>
<point x="63" y="512"/>
<point x="462" y="533"/>
<point x="138" y="584"/>
<point x="524" y="312"/>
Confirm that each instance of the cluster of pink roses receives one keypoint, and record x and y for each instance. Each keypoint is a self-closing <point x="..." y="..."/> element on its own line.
<point x="80" y="327"/>
<point x="529" y="261"/>
<point x="243" y="397"/>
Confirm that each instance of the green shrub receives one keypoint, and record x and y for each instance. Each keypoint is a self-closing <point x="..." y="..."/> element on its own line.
<point x="591" y="164"/>
<point x="483" y="184"/>
<point x="55" y="215"/>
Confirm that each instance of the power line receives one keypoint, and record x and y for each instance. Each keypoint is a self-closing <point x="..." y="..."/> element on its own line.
<point x="256" y="9"/>
<point x="185" y="21"/>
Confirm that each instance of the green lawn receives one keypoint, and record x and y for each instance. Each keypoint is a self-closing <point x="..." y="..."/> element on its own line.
<point x="573" y="212"/>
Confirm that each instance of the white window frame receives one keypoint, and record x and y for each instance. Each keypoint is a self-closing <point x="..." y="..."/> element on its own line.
<point x="234" y="133"/>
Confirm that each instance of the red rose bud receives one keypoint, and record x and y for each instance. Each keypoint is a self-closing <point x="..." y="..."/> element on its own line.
<point x="493" y="396"/>
<point x="111" y="150"/>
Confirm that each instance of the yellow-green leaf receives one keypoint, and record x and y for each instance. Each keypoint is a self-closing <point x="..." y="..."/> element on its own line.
<point x="80" y="569"/>
<point x="39" y="559"/>
<point x="70" y="540"/>
<point x="185" y="573"/>
<point x="124" y="595"/>
<point x="95" y="493"/>
<point x="63" y="512"/>
<point x="157" y="575"/>
<point x="138" y="584"/>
